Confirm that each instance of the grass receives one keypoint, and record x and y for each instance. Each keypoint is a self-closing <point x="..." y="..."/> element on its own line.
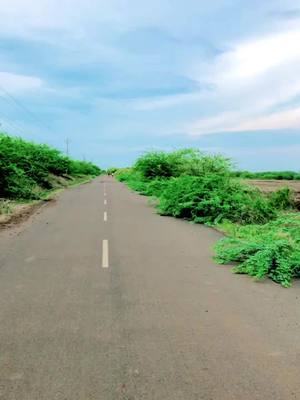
<point x="262" y="229"/>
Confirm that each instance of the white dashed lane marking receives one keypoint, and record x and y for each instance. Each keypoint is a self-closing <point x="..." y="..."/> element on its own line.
<point x="105" y="263"/>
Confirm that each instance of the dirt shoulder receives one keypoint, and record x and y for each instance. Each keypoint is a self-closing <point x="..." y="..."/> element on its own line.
<point x="14" y="213"/>
<point x="21" y="212"/>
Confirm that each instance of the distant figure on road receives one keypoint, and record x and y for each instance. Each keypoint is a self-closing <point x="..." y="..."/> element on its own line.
<point x="111" y="172"/>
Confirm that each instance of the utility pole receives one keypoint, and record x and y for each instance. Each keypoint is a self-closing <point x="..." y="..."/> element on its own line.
<point x="67" y="146"/>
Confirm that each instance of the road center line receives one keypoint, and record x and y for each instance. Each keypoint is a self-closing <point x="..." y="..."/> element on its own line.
<point x="105" y="253"/>
<point x="105" y="216"/>
<point x="105" y="202"/>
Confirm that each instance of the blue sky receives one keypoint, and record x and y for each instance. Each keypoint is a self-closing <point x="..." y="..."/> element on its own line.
<point x="120" y="77"/>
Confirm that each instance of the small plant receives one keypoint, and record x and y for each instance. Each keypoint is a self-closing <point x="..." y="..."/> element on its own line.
<point x="283" y="199"/>
<point x="5" y="206"/>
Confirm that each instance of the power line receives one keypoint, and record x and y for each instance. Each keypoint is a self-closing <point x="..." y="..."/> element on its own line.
<point x="19" y="125"/>
<point x="5" y="129"/>
<point x="6" y="121"/>
<point x="25" y="109"/>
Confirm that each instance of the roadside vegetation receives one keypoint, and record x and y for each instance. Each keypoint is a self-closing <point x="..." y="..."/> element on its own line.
<point x="277" y="175"/>
<point x="262" y="230"/>
<point x="30" y="171"/>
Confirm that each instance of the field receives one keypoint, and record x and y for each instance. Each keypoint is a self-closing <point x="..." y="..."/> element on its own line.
<point x="271" y="185"/>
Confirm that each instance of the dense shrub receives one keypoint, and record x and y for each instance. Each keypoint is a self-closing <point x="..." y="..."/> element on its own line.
<point x="14" y="183"/>
<point x="156" y="187"/>
<point x="133" y="179"/>
<point x="159" y="164"/>
<point x="271" y="250"/>
<point x="283" y="199"/>
<point x="25" y="166"/>
<point x="122" y="174"/>
<point x="213" y="198"/>
<point x="193" y="162"/>
<point x="83" y="168"/>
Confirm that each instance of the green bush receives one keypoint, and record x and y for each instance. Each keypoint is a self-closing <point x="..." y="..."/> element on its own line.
<point x="193" y="162"/>
<point x="283" y="199"/>
<point x="156" y="187"/>
<point x="159" y="164"/>
<point x="123" y="174"/>
<point x="134" y="180"/>
<point x="82" y="168"/>
<point x="25" y="167"/>
<point x="271" y="250"/>
<point x="213" y="198"/>
<point x="14" y="183"/>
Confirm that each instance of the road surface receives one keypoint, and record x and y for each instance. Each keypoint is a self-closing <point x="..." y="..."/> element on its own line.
<point x="129" y="305"/>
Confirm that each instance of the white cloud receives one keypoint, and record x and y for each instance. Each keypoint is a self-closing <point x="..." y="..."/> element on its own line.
<point x="252" y="58"/>
<point x="289" y="119"/>
<point x="239" y="122"/>
<point x="252" y="81"/>
<point x="19" y="83"/>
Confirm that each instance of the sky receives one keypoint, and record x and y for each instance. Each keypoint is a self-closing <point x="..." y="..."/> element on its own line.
<point x="117" y="78"/>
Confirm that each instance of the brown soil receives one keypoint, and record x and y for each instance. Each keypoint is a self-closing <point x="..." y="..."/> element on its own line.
<point x="20" y="213"/>
<point x="268" y="186"/>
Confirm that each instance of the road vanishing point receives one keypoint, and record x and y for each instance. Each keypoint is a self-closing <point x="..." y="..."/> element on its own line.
<point x="103" y="299"/>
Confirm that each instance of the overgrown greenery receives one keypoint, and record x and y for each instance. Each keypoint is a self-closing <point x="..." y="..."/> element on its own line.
<point x="278" y="175"/>
<point x="213" y="198"/>
<point x="159" y="164"/>
<point x="272" y="249"/>
<point x="201" y="188"/>
<point x="27" y="169"/>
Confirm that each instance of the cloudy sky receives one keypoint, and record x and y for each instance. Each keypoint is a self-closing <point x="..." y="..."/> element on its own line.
<point x="120" y="77"/>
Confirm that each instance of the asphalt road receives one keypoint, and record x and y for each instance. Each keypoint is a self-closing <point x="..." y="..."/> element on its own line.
<point x="146" y="314"/>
